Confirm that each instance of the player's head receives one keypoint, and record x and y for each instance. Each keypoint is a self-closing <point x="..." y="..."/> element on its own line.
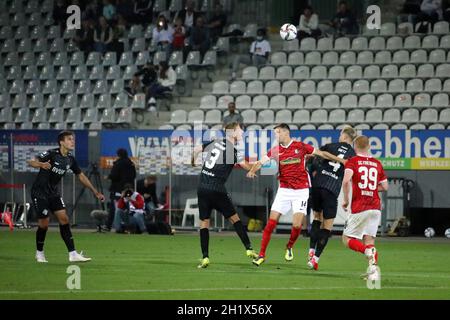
<point x="361" y="144"/>
<point x="234" y="131"/>
<point x="122" y="153"/>
<point x="282" y="133"/>
<point x="348" y="134"/>
<point x="66" y="139"/>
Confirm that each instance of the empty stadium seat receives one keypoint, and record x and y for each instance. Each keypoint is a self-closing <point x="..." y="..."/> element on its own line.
<point x="208" y="102"/>
<point x="422" y="100"/>
<point x="294" y="102"/>
<point x="255" y="87"/>
<point x="277" y="102"/>
<point x="301" y="116"/>
<point x="260" y="102"/>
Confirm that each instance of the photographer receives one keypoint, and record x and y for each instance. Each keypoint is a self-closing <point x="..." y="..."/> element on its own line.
<point x="147" y="188"/>
<point x="130" y="207"/>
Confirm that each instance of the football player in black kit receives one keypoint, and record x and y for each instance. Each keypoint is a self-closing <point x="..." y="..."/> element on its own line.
<point x="53" y="165"/>
<point x="326" y="186"/>
<point x="212" y="194"/>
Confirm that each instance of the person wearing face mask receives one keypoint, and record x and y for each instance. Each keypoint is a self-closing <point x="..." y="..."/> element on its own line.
<point x="258" y="55"/>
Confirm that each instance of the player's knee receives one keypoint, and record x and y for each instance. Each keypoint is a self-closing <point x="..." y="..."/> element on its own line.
<point x="345" y="240"/>
<point x="234" y="218"/>
<point x="43" y="224"/>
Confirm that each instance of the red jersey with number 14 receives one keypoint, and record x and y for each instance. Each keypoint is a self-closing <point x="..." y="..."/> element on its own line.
<point x="291" y="164"/>
<point x="368" y="173"/>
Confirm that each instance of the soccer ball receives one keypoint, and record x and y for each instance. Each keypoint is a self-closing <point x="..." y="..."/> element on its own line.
<point x="288" y="32"/>
<point x="429" y="232"/>
<point x="447" y="233"/>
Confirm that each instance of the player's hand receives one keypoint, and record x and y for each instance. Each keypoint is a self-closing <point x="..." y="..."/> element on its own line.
<point x="100" y="196"/>
<point x="345" y="204"/>
<point x="46" y="165"/>
<point x="251" y="175"/>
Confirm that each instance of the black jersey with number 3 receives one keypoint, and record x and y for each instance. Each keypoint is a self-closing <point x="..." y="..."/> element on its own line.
<point x="329" y="174"/>
<point x="46" y="183"/>
<point x="218" y="164"/>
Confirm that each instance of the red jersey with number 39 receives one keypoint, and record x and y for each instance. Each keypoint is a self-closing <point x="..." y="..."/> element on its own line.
<point x="368" y="173"/>
<point x="292" y="173"/>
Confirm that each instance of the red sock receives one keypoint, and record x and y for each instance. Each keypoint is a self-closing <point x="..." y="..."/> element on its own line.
<point x="356" y="245"/>
<point x="266" y="236"/>
<point x="295" y="232"/>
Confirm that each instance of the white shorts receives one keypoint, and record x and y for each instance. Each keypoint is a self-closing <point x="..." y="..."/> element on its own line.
<point x="291" y="199"/>
<point x="363" y="223"/>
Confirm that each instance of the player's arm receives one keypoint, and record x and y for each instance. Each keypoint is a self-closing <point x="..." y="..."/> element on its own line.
<point x="197" y="151"/>
<point x="328" y="156"/>
<point x="87" y="183"/>
<point x="35" y="163"/>
<point x="346" y="187"/>
<point x="257" y="165"/>
<point x="246" y="165"/>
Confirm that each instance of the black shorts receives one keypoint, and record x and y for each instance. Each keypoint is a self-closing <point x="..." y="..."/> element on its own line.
<point x="209" y="200"/>
<point x="43" y="206"/>
<point x="326" y="201"/>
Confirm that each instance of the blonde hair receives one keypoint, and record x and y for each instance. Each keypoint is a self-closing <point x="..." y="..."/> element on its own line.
<point x="350" y="132"/>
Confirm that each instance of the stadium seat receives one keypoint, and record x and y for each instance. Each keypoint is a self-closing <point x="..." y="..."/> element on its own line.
<point x="15" y="73"/>
<point x="126" y="58"/>
<point x="387" y="29"/>
<point x="403" y="100"/>
<point x="343" y="86"/>
<point x="138" y="101"/>
<point x="396" y="85"/>
<point x="405" y="28"/>
<point x="325" y="127"/>
<point x="301" y="116"/>
<point x="121" y="101"/>
<point x="108" y="116"/>
<point x="426" y="70"/>
<point x="380" y="126"/>
<point x="319" y="116"/>
<point x="422" y="100"/>
<point x="129" y="72"/>
<point x="178" y="117"/>
<point x="104" y="101"/>
<point x="213" y="116"/>
<point x="361" y="86"/>
<point x="374" y="116"/>
<point x="437" y="56"/>
<point x="349" y="101"/>
<point x="383" y="57"/>
<point x="348" y="57"/>
<point x="260" y="102"/>
<point x="26" y="125"/>
<point x="414" y="85"/>
<point x="34" y="86"/>
<point x="236" y="87"/>
<point x="391" y="116"/>
<point x="407" y="71"/>
<point x="400" y="56"/>
<point x="37" y="101"/>
<point x="336" y="72"/>
<point x="385" y="101"/>
<point x="360" y="43"/>
<point x="441" y="27"/>
<point x="291" y="45"/>
<point x="267" y="73"/>
<point x="195" y="116"/>
<point x="379" y="85"/>
<point x="193" y="58"/>
<point x="250" y="73"/>
<point x="277" y="102"/>
<point x="330" y="102"/>
<point x="295" y="58"/>
<point x="90" y="116"/>
<point x="430" y="42"/>
<point x="436" y="126"/>
<point x="301" y="73"/>
<point x="325" y="44"/>
<point x="278" y="59"/>
<point x="208" y="102"/>
<point x="284" y="72"/>
<point x="19" y="100"/>
<point x="84" y="86"/>
<point x="342" y="44"/>
<point x="312" y="58"/>
<point x="330" y="58"/>
<point x="440" y="100"/>
<point x="71" y="101"/>
<point x="87" y="101"/>
<point x="67" y="87"/>
<point x="97" y="73"/>
<point x="318" y="72"/>
<point x="355" y="116"/>
<point x="372" y="72"/>
<point x="113" y="73"/>
<point x="21" y="33"/>
<point x="290" y="87"/>
<point x="24" y="46"/>
<point x="445" y="42"/>
<point x="220" y="87"/>
<point x="444" y="116"/>
<point x="389" y="71"/>
<point x="223" y="44"/>
<point x="223" y="101"/>
<point x="17" y="87"/>
<point x="266" y="116"/>
<point x="53" y="101"/>
<point x="125" y="116"/>
<point x="308" y="44"/>
<point x="365" y="57"/>
<point x="56" y="115"/>
<point x="362" y="126"/>
<point x="410" y="116"/>
<point x="74" y="115"/>
<point x="47" y="73"/>
<point x="377" y="43"/>
<point x="429" y="116"/>
<point x="23" y="115"/>
<point x="77" y="58"/>
<point x="243" y="102"/>
<point x="6" y="32"/>
<point x="6" y="115"/>
<point x="418" y="56"/>
<point x="249" y="116"/>
<point x="50" y="87"/>
<point x="283" y="116"/>
<point x="307" y="87"/>
<point x="117" y="86"/>
<point x="433" y="85"/>
<point x="294" y="102"/>
<point x="394" y="43"/>
<point x="313" y="102"/>
<point x="255" y="87"/>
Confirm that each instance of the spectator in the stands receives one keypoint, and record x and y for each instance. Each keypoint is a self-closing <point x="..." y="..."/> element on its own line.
<point x="409" y="12"/>
<point x="143" y="11"/>
<point x="103" y="36"/>
<point x="92" y="11"/>
<point x="232" y="116"/>
<point x="60" y="13"/>
<point x="308" y="25"/>
<point x="217" y="22"/>
<point x="344" y="22"/>
<point x="199" y="37"/>
<point x="258" y="55"/>
<point x="179" y="35"/>
<point x="430" y="11"/>
<point x="446" y="10"/>
<point x="109" y="10"/>
<point x="84" y="37"/>
<point x="119" y="30"/>
<point x="167" y="79"/>
<point x="188" y="15"/>
<point x="125" y="9"/>
<point x="163" y="36"/>
<point x="135" y="86"/>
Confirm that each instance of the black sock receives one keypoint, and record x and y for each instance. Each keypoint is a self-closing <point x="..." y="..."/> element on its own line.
<point x="204" y="242"/>
<point x="242" y="234"/>
<point x="40" y="238"/>
<point x="314" y="234"/>
<point x="66" y="234"/>
<point x="324" y="234"/>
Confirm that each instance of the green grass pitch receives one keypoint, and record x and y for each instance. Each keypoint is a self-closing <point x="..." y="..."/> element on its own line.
<point x="165" y="267"/>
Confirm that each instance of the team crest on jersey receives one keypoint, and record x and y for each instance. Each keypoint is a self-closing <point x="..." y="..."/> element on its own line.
<point x="67" y="167"/>
<point x="296" y="151"/>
